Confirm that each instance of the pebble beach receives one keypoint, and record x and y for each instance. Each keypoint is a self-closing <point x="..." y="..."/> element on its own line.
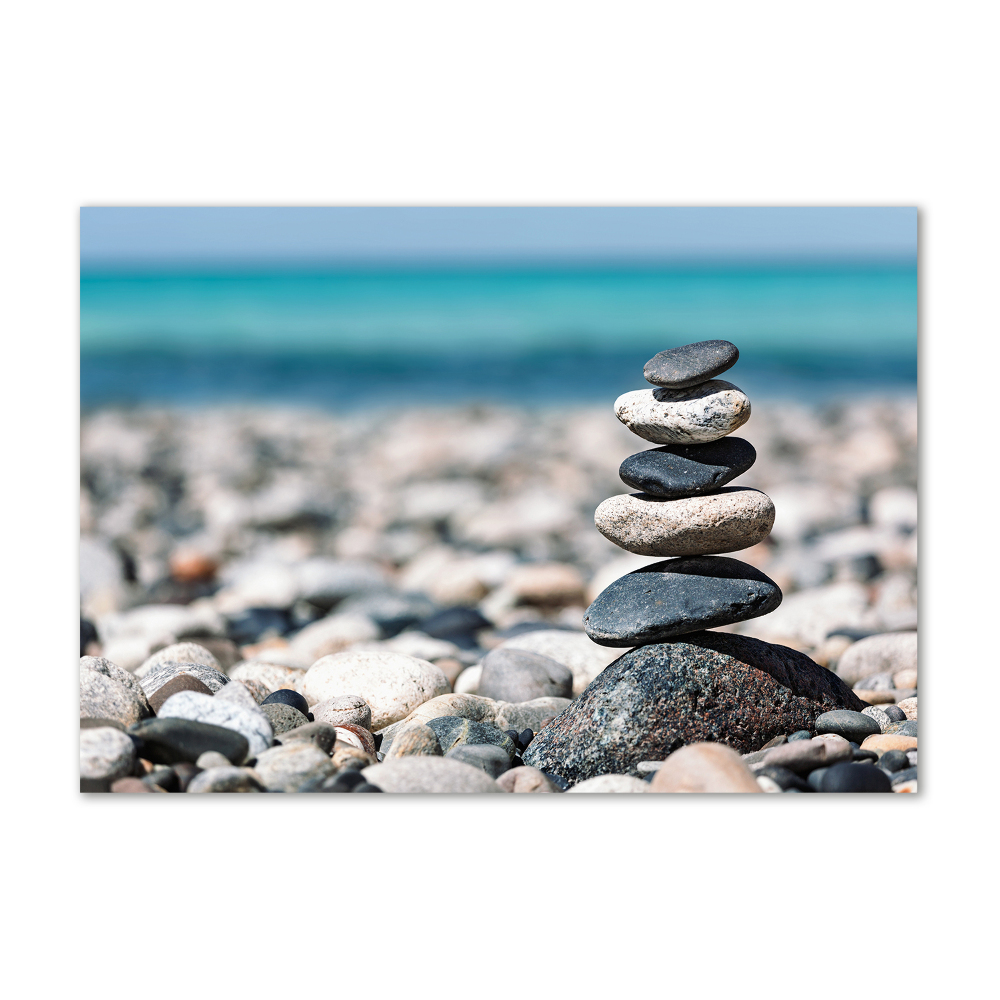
<point x="475" y="599"/>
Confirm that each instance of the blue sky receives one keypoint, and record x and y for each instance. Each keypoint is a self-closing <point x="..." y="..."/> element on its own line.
<point x="110" y="236"/>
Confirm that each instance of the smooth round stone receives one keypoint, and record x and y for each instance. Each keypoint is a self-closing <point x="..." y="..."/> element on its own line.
<point x="212" y="758"/>
<point x="690" y="364"/>
<point x="854" y="726"/>
<point x="671" y="598"/>
<point x="894" y="760"/>
<point x="285" y="768"/>
<point x="889" y="741"/>
<point x="344" y="710"/>
<point x="429" y="774"/>
<point x="392" y="684"/>
<point x="697" y="415"/>
<point x="321" y="733"/>
<point x="734" y="518"/>
<point x="802" y="734"/>
<point x="182" y="682"/>
<point x="894" y="713"/>
<point x="887" y="652"/>
<point x="226" y="779"/>
<point x="575" y="650"/>
<point x="491" y="759"/>
<point x="855" y="778"/>
<point x="525" y="780"/>
<point x="174" y="740"/>
<point x="704" y="767"/>
<point x="287" y="697"/>
<point x="105" y="754"/>
<point x="283" y="718"/>
<point x="518" y="675"/>
<point x="680" y="470"/>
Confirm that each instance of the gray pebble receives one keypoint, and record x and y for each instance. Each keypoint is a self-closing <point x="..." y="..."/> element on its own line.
<point x="104" y="698"/>
<point x="105" y="754"/>
<point x="253" y="724"/>
<point x="493" y="760"/>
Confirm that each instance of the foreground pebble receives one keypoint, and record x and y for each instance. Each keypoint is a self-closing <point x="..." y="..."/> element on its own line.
<point x="526" y="780"/>
<point x="696" y="415"/>
<point x="429" y="774"/>
<point x="105" y="754"/>
<point x="704" y="767"/>
<point x="178" y="740"/>
<point x="517" y="675"/>
<point x="285" y="768"/>
<point x="392" y="684"/>
<point x="251" y="724"/>
<point x="104" y="698"/>
<point x="613" y="783"/>
<point x="734" y="518"/>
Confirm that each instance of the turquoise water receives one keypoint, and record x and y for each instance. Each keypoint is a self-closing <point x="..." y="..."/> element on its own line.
<point x="349" y="338"/>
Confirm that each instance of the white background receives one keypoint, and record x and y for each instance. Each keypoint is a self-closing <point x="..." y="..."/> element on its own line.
<point x="714" y="103"/>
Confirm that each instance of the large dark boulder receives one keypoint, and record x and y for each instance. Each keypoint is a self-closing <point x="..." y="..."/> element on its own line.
<point x="707" y="687"/>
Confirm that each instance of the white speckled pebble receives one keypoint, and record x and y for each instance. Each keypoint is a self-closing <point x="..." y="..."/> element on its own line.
<point x="696" y="415"/>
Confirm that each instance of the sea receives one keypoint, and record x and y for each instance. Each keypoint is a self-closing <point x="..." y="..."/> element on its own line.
<point x="350" y="337"/>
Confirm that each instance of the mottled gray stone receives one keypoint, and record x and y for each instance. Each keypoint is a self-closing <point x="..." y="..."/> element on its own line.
<point x="345" y="710"/>
<point x="734" y="518"/>
<point x="227" y="779"/>
<point x="285" y="768"/>
<point x="708" y="687"/>
<point x="690" y="364"/>
<point x="429" y="774"/>
<point x="283" y="718"/>
<point x="452" y="731"/>
<point x="178" y="652"/>
<point x="683" y="470"/>
<point x="413" y="739"/>
<point x="105" y="754"/>
<point x="518" y="675"/>
<point x="491" y="759"/>
<point x="879" y="716"/>
<point x="696" y="415"/>
<point x="676" y="596"/>
<point x="160" y="673"/>
<point x="123" y="677"/>
<point x="101" y="697"/>
<point x="252" y="724"/>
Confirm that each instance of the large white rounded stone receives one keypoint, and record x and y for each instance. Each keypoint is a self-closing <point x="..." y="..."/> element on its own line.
<point x="393" y="684"/>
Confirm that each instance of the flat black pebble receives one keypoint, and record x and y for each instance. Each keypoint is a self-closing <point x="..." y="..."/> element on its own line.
<point x="285" y="696"/>
<point x="815" y="778"/>
<point x="676" y="596"/>
<point x="855" y="778"/>
<point x="685" y="470"/>
<point x="691" y="364"/>
<point x="525" y="737"/>
<point x="860" y="755"/>
<point x="895" y="713"/>
<point x="853" y="726"/>
<point x="172" y="741"/>
<point x="801" y="734"/>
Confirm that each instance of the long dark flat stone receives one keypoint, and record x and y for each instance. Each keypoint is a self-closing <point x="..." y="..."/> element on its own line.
<point x="677" y="596"/>
<point x="680" y="367"/>
<point x="684" y="470"/>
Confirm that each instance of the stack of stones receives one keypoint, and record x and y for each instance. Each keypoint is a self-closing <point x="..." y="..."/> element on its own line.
<point x="685" y="508"/>
<point x="680" y="684"/>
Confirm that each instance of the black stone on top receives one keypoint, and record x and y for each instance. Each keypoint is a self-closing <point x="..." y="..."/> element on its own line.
<point x="691" y="364"/>
<point x="676" y="596"/>
<point x="684" y="470"/>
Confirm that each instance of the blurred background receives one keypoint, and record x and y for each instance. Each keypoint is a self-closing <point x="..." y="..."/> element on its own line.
<point x="304" y="429"/>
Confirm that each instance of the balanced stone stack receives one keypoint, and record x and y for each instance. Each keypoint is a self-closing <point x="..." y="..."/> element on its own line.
<point x="685" y="509"/>
<point x="679" y="683"/>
